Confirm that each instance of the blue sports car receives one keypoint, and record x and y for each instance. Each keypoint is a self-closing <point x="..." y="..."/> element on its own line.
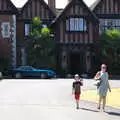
<point x="29" y="71"/>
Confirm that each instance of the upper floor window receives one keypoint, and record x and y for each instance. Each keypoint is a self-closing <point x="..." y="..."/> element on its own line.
<point x="76" y="24"/>
<point x="106" y="24"/>
<point x="5" y="29"/>
<point x="44" y="26"/>
<point x="27" y="29"/>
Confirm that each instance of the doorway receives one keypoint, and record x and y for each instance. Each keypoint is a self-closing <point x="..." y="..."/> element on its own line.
<point x="76" y="63"/>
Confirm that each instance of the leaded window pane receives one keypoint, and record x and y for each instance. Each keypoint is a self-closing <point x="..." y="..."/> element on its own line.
<point x="27" y="29"/>
<point x="76" y="24"/>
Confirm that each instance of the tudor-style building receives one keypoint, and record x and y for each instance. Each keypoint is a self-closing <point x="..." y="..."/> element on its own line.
<point x="8" y="31"/>
<point x="30" y="10"/>
<point x="108" y="13"/>
<point x="76" y="29"/>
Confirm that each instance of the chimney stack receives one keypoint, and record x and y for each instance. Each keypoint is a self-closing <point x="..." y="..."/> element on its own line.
<point x="69" y="1"/>
<point x="52" y="5"/>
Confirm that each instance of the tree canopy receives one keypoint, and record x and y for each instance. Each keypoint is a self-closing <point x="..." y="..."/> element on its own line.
<point x="41" y="48"/>
<point x="109" y="49"/>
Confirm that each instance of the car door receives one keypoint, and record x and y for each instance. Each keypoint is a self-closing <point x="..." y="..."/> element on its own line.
<point x="28" y="71"/>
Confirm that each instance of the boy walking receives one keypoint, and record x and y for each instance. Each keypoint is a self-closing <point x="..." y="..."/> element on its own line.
<point x="76" y="89"/>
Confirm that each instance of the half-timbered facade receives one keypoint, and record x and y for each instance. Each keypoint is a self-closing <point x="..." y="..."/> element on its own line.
<point x="8" y="31"/>
<point x="30" y="10"/>
<point x="76" y="29"/>
<point x="108" y="12"/>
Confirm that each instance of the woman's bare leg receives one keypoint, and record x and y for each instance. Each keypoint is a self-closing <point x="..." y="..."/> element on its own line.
<point x="104" y="102"/>
<point x="100" y="100"/>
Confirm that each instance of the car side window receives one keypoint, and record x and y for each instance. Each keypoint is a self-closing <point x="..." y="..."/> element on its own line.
<point x="26" y="68"/>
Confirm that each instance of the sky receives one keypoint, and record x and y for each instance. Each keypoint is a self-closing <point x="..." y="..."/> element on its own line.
<point x="59" y="3"/>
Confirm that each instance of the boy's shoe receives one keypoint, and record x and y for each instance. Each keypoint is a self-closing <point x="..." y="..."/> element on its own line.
<point x="77" y="107"/>
<point x="98" y="107"/>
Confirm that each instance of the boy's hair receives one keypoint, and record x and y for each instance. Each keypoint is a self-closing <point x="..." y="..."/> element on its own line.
<point x="76" y="75"/>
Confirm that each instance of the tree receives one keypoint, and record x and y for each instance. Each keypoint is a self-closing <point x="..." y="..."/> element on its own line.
<point x="41" y="48"/>
<point x="109" y="49"/>
<point x="4" y="64"/>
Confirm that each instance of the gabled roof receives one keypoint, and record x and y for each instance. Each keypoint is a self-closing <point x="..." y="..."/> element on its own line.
<point x="42" y="2"/>
<point x="58" y="11"/>
<point x="68" y="6"/>
<point x="94" y="5"/>
<point x="12" y="6"/>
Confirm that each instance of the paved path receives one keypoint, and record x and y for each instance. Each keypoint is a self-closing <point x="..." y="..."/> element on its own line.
<point x="47" y="100"/>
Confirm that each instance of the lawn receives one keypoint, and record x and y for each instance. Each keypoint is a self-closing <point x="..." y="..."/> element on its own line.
<point x="113" y="98"/>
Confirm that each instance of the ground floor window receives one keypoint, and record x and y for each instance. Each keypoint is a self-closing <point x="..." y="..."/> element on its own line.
<point x="5" y="29"/>
<point x="27" y="28"/>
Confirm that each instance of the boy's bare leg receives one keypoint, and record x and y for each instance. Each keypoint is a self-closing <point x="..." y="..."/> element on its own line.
<point x="77" y="104"/>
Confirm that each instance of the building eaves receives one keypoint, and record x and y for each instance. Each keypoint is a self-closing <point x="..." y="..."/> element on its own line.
<point x="93" y="6"/>
<point x="68" y="5"/>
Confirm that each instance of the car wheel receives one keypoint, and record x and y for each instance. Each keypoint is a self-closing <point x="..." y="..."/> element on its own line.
<point x="55" y="76"/>
<point x="43" y="75"/>
<point x="18" y="75"/>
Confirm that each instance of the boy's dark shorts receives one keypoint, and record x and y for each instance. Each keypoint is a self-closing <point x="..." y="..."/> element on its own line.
<point x="77" y="96"/>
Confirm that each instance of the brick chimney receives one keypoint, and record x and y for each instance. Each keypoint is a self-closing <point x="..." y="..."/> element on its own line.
<point x="52" y="5"/>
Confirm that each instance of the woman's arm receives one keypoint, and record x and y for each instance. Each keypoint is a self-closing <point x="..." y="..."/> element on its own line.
<point x="108" y="82"/>
<point x="109" y="86"/>
<point x="97" y="76"/>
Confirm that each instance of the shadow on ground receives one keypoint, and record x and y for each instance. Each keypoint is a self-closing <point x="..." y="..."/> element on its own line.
<point x="89" y="109"/>
<point x="113" y="113"/>
<point x="109" y="113"/>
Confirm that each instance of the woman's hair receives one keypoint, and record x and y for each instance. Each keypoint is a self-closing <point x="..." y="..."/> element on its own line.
<point x="104" y="65"/>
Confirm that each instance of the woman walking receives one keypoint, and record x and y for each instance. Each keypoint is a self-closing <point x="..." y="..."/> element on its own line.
<point x="104" y="85"/>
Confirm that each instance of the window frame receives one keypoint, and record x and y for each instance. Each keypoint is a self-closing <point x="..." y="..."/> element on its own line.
<point x="67" y="24"/>
<point x="3" y="29"/>
<point x="44" y="25"/>
<point x="27" y="23"/>
<point x="104" y="24"/>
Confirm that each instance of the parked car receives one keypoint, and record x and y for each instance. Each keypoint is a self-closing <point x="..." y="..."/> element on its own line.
<point x="29" y="71"/>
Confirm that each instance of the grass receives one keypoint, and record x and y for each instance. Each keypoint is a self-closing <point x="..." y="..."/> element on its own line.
<point x="113" y="98"/>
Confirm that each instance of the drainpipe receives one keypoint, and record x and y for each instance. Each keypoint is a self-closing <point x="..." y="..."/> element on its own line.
<point x="23" y="56"/>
